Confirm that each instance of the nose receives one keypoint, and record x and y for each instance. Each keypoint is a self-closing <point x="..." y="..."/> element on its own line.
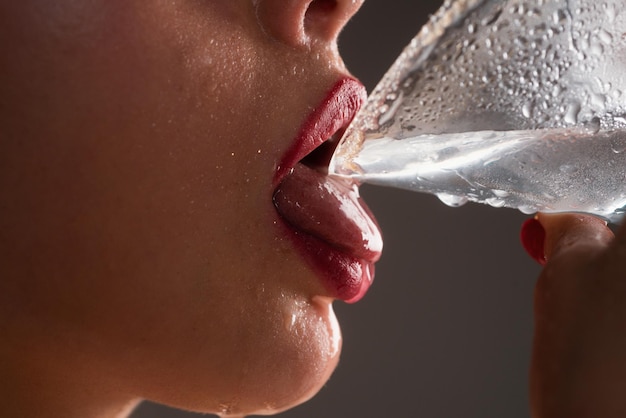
<point x="305" y="22"/>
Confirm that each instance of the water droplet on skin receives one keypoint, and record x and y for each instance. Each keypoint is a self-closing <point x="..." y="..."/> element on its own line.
<point x="270" y="406"/>
<point x="226" y="409"/>
<point x="290" y="321"/>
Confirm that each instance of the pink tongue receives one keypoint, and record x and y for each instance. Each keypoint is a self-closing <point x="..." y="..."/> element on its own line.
<point x="329" y="209"/>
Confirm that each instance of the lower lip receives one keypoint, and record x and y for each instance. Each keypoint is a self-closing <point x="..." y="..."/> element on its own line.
<point x="345" y="277"/>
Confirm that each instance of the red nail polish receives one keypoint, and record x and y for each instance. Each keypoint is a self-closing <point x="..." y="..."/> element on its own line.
<point x="533" y="237"/>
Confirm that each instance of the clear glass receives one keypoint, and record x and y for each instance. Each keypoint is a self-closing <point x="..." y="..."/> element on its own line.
<point x="510" y="103"/>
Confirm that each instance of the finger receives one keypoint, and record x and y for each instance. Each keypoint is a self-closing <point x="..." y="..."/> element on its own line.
<point x="578" y="346"/>
<point x="620" y="236"/>
<point x="565" y="232"/>
<point x="533" y="238"/>
<point x="549" y="235"/>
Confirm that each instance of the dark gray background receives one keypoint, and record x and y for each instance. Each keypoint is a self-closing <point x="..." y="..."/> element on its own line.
<point x="446" y="329"/>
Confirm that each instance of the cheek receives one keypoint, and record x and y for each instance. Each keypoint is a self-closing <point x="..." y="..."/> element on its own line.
<point x="162" y="190"/>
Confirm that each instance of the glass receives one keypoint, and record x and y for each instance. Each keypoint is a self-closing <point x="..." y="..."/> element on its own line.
<point x="509" y="103"/>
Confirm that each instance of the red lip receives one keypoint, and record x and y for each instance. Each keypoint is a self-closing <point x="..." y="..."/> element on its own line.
<point x="332" y="115"/>
<point x="324" y="216"/>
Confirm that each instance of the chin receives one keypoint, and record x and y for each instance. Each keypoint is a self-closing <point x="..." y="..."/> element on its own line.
<point x="296" y="364"/>
<point x="283" y="363"/>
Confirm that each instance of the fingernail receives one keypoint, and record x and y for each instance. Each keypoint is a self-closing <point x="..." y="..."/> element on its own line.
<point x="533" y="237"/>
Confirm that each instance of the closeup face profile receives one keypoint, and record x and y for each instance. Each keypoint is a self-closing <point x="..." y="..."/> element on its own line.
<point x="167" y="230"/>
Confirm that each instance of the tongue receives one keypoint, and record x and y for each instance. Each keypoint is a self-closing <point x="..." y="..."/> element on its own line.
<point x="329" y="209"/>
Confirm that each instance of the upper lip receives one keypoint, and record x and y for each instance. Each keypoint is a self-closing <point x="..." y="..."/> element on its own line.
<point x="326" y="121"/>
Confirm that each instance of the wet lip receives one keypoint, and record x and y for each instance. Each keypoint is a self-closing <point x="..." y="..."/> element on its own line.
<point x="326" y="122"/>
<point x="324" y="216"/>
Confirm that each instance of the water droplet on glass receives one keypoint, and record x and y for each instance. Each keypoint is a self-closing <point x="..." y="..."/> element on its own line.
<point x="568" y="169"/>
<point x="571" y="114"/>
<point x="527" y="209"/>
<point x="605" y="37"/>
<point x="500" y="193"/>
<point x="495" y="202"/>
<point x="593" y="126"/>
<point x="556" y="90"/>
<point x="610" y="12"/>
<point x="527" y="109"/>
<point x="598" y="100"/>
<point x="452" y="200"/>
<point x="542" y="72"/>
<point x="596" y="49"/>
<point x="559" y="16"/>
<point x="618" y="144"/>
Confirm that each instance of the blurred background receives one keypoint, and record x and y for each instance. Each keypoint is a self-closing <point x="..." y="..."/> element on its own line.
<point x="446" y="329"/>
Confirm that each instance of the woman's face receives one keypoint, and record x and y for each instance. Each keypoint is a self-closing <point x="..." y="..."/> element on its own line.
<point x="154" y="221"/>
